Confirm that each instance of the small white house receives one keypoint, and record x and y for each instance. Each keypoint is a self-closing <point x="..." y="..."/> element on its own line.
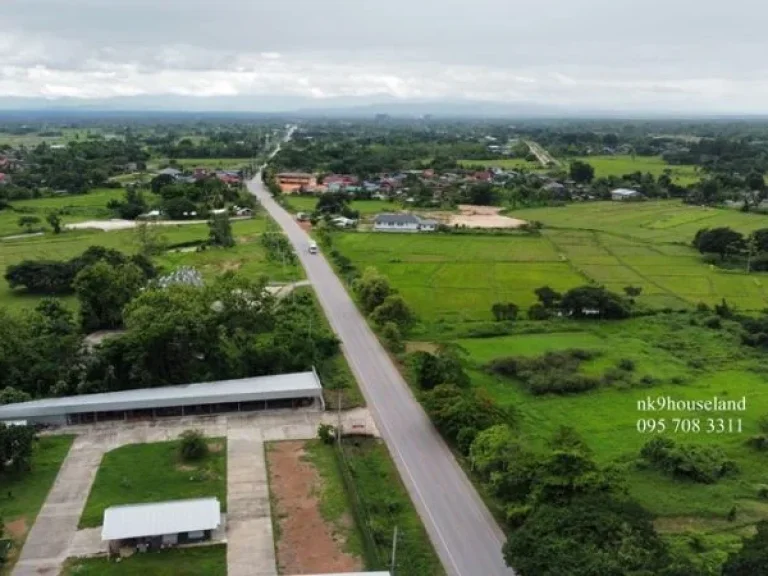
<point x="622" y="194"/>
<point x="403" y="223"/>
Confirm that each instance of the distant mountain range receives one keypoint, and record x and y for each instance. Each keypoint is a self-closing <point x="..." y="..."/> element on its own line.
<point x="299" y="107"/>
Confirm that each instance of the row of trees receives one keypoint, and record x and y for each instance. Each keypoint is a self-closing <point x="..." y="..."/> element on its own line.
<point x="587" y="301"/>
<point x="384" y="306"/>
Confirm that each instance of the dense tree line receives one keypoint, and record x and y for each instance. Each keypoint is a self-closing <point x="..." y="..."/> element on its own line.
<point x="175" y="333"/>
<point x="79" y="166"/>
<point x="732" y="247"/>
<point x="54" y="277"/>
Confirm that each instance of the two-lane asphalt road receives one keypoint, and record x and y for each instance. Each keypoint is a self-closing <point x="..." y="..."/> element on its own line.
<point x="466" y="537"/>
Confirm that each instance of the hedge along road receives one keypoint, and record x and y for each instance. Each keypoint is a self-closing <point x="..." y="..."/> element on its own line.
<point x="465" y="535"/>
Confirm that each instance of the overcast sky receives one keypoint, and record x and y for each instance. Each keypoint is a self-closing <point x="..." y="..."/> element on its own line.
<point x="689" y="55"/>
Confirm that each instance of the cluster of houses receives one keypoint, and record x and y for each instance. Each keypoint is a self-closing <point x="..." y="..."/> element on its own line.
<point x="229" y="177"/>
<point x="394" y="185"/>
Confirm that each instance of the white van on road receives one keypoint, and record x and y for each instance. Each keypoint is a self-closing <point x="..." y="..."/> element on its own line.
<point x="312" y="247"/>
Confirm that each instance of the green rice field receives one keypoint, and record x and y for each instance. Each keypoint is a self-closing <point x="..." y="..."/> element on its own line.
<point x="73" y="208"/>
<point x="625" y="164"/>
<point x="458" y="278"/>
<point x="657" y="221"/>
<point x="505" y="163"/>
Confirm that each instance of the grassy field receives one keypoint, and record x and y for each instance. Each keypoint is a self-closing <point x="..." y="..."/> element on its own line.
<point x="210" y="163"/>
<point x="658" y="221"/>
<point x="386" y="504"/>
<point x="248" y="257"/>
<point x="505" y="163"/>
<point x="686" y="362"/>
<point x="624" y="164"/>
<point x="457" y="278"/>
<point x="366" y="207"/>
<point x="140" y="473"/>
<point x="75" y="208"/>
<point x="28" y="491"/>
<point x="199" y="561"/>
<point x="33" y="139"/>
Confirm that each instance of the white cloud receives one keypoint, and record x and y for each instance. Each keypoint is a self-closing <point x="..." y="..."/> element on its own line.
<point x="599" y="53"/>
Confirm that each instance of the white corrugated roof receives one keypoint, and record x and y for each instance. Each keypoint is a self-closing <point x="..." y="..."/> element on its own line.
<point x="277" y="387"/>
<point x="355" y="574"/>
<point x="137" y="520"/>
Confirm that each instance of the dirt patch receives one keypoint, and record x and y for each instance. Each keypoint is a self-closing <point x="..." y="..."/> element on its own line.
<point x="305" y="225"/>
<point x="307" y="544"/>
<point x="229" y="265"/>
<point x="430" y="347"/>
<point x="482" y="217"/>
<point x="215" y="446"/>
<point x="17" y="529"/>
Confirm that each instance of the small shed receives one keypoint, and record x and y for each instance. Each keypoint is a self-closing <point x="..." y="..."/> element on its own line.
<point x="623" y="194"/>
<point x="162" y="524"/>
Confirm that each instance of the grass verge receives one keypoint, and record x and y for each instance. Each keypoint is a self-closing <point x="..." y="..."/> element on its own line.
<point x="334" y="501"/>
<point x="384" y="505"/>
<point x="28" y="491"/>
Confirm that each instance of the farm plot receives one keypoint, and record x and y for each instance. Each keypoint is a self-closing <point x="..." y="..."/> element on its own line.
<point x="460" y="277"/>
<point x="659" y="221"/>
<point x="625" y="164"/>
<point x="72" y="208"/>
<point x="457" y="278"/>
<point x="504" y="163"/>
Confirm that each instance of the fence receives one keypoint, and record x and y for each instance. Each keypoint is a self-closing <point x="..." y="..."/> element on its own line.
<point x="373" y="560"/>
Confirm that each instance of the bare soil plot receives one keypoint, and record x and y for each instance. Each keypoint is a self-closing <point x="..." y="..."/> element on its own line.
<point x="307" y="544"/>
<point x="479" y="217"/>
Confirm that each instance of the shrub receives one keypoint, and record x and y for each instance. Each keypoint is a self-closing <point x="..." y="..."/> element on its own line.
<point x="713" y="322"/>
<point x="702" y="464"/>
<point x="762" y="423"/>
<point x="555" y="372"/>
<point x="392" y="336"/>
<point x="627" y="365"/>
<point x="326" y="433"/>
<point x="538" y="312"/>
<point x="504" y="311"/>
<point x="193" y="446"/>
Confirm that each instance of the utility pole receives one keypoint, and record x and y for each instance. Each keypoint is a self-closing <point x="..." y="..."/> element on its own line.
<point x="338" y="417"/>
<point x="394" y="551"/>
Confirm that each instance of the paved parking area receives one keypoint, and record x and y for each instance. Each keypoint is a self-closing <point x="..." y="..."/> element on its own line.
<point x="250" y="548"/>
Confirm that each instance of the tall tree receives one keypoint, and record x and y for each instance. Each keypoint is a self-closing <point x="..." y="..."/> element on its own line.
<point x="103" y="290"/>
<point x="220" y="231"/>
<point x="581" y="172"/>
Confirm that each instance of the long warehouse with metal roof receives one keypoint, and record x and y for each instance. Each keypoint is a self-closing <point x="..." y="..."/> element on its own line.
<point x="301" y="389"/>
